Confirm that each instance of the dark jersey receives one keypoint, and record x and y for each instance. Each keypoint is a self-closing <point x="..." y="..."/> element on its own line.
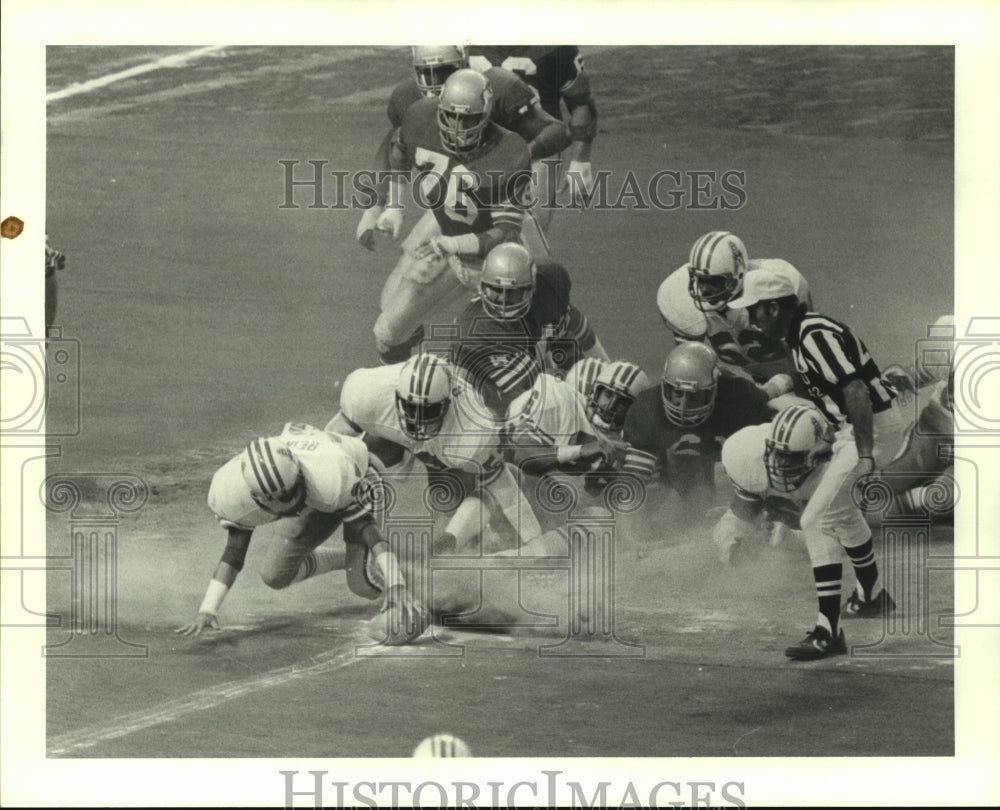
<point x="467" y="194"/>
<point x="512" y="100"/>
<point x="553" y="71"/>
<point x="503" y="358"/>
<point x="686" y="455"/>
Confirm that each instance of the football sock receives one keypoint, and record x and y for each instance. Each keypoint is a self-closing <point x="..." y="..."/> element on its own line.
<point x="865" y="569"/>
<point x="827" y="579"/>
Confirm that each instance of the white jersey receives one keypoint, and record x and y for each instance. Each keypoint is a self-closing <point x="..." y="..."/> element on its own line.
<point x="551" y="413"/>
<point x="331" y="467"/>
<point x="743" y="460"/>
<point x="740" y="347"/>
<point x="468" y="439"/>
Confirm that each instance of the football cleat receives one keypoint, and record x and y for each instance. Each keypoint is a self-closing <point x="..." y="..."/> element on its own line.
<point x="798" y="440"/>
<point x="857" y="608"/>
<point x="464" y="108"/>
<point x="819" y="643"/>
<point x="433" y="64"/>
<point x="716" y="268"/>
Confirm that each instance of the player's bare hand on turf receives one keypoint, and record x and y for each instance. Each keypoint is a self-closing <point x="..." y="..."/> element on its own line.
<point x="408" y="617"/>
<point x="365" y="233"/>
<point x="201" y="622"/>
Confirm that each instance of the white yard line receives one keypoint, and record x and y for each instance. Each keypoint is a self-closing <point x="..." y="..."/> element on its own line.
<point x="75" y="741"/>
<point x="174" y="60"/>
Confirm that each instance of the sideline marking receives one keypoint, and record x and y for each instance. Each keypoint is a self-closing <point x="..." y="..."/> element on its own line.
<point x="174" y="60"/>
<point x="198" y="701"/>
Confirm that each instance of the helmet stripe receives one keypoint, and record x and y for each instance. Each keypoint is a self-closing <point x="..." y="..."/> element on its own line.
<point x="267" y="477"/>
<point x="707" y="247"/>
<point x="786" y="423"/>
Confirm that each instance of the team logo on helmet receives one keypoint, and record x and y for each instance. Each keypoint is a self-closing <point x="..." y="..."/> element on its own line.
<point x="464" y="108"/>
<point x="689" y="384"/>
<point x="433" y="64"/>
<point x="716" y="267"/>
<point x="614" y="392"/>
<point x="423" y="394"/>
<point x="273" y="476"/>
<point x="507" y="283"/>
<point x="797" y="442"/>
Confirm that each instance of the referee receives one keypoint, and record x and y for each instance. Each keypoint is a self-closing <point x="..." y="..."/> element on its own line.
<point x="833" y="364"/>
<point x="846" y="386"/>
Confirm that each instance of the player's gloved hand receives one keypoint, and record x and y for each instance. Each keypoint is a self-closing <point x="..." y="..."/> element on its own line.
<point x="366" y="228"/>
<point x="390" y="221"/>
<point x="406" y="618"/>
<point x="202" y="621"/>
<point x="579" y="175"/>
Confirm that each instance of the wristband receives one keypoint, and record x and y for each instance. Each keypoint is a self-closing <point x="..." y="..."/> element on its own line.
<point x="213" y="597"/>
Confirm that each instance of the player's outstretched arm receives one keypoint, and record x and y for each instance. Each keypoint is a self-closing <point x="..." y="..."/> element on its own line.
<point x="401" y="617"/>
<point x="222" y="580"/>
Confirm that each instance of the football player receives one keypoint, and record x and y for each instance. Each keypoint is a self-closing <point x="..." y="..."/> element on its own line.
<point x="550" y="429"/>
<point x="694" y="302"/>
<point x="422" y="408"/>
<point x="797" y="465"/>
<point x="921" y="473"/>
<point x="556" y="73"/>
<point x="515" y="107"/>
<point x="521" y="324"/>
<point x="674" y="430"/>
<point x="310" y="482"/>
<point x="473" y="176"/>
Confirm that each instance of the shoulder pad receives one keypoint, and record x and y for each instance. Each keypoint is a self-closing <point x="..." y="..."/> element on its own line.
<point x="743" y="458"/>
<point x="362" y="390"/>
<point x="677" y="309"/>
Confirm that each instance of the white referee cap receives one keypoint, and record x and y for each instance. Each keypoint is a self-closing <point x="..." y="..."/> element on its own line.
<point x="762" y="285"/>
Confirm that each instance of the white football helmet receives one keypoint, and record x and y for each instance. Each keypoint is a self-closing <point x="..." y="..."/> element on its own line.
<point x="464" y="108"/>
<point x="583" y="375"/>
<point x="507" y="282"/>
<point x="689" y="384"/>
<point x="798" y="440"/>
<point x="273" y="476"/>
<point x="433" y="64"/>
<point x="423" y="394"/>
<point x="716" y="268"/>
<point x="442" y="745"/>
<point x="615" y="389"/>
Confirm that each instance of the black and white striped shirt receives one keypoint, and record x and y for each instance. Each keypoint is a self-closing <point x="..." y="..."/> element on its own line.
<point x="828" y="356"/>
